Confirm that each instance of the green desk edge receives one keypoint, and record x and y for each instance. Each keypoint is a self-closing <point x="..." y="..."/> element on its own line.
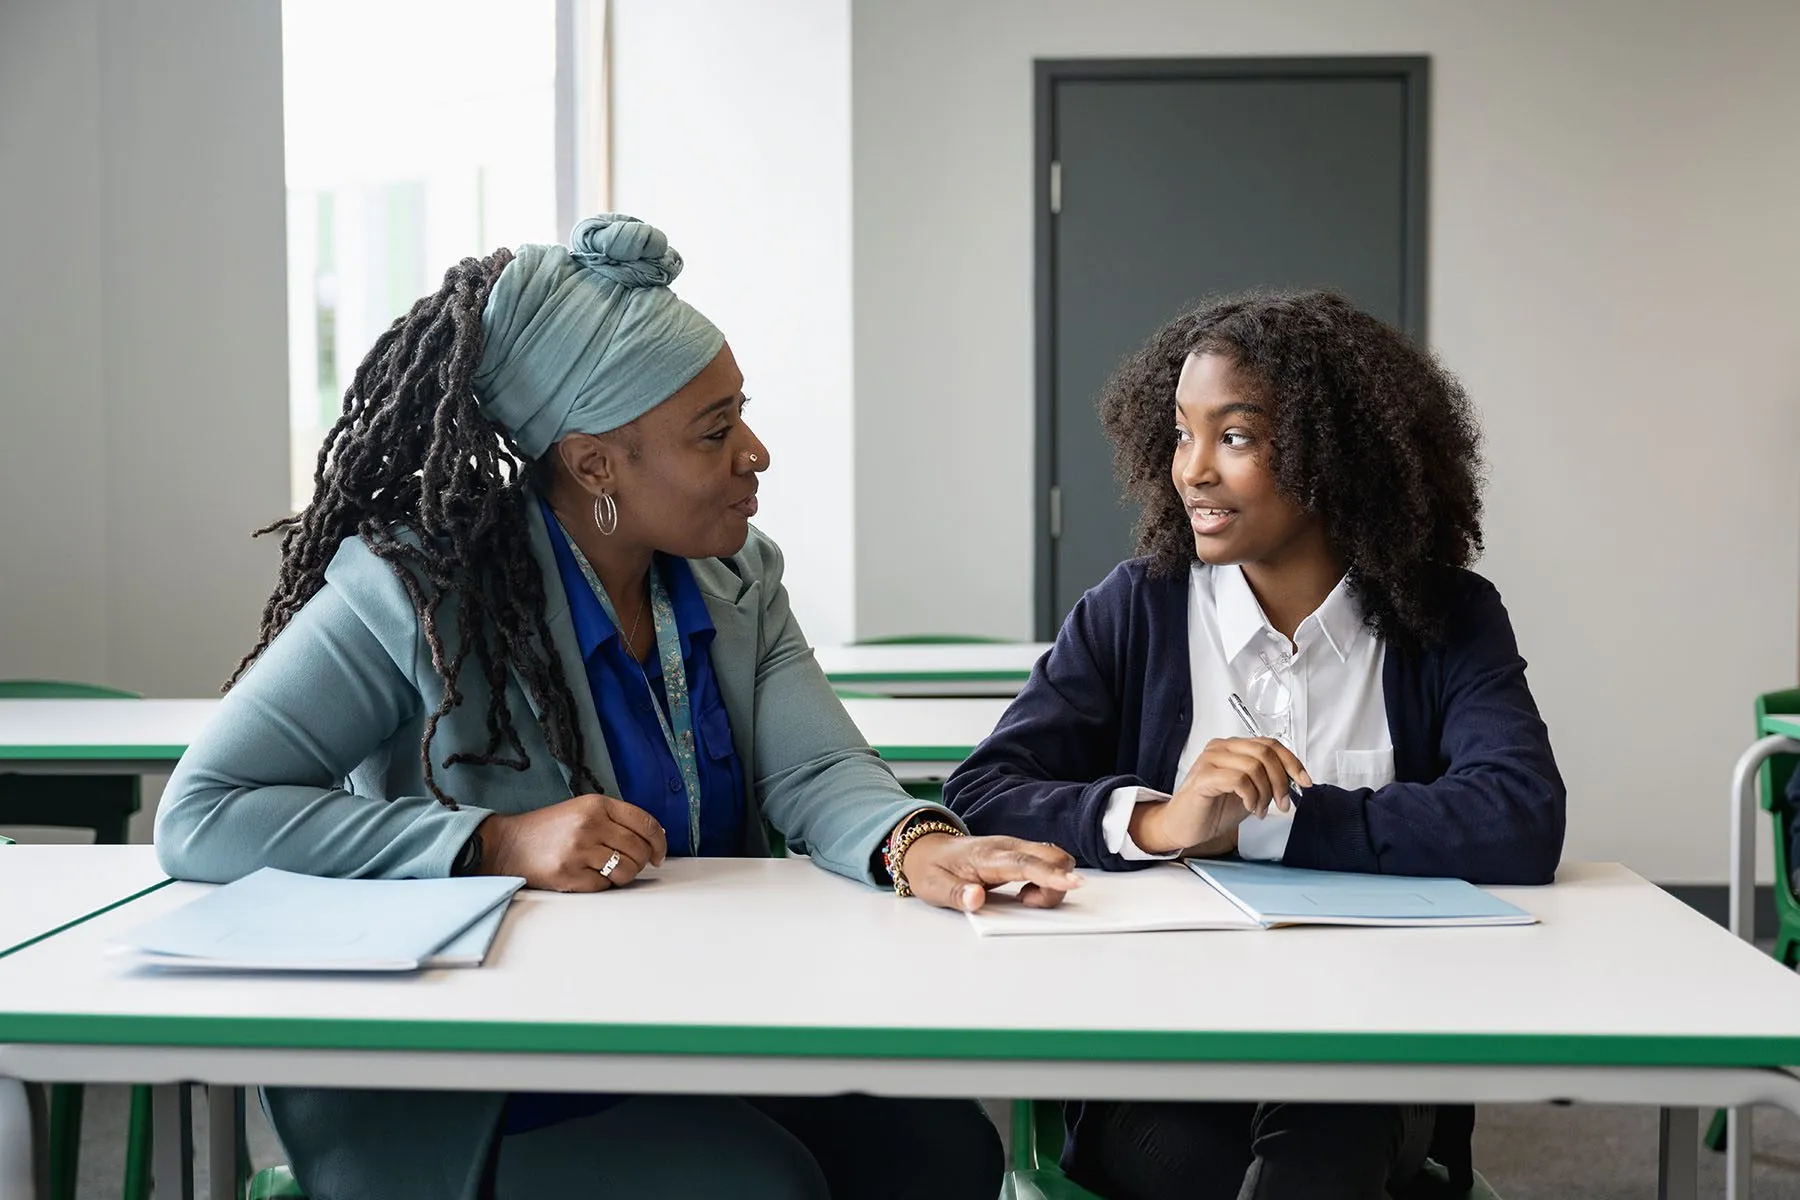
<point x="1452" y="1049"/>
<point x="92" y="753"/>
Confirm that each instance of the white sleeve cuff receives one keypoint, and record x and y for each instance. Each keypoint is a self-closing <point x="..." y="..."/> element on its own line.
<point x="1266" y="840"/>
<point x="1115" y="824"/>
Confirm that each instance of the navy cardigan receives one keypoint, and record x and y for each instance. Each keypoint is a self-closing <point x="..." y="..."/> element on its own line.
<point x="1476" y="792"/>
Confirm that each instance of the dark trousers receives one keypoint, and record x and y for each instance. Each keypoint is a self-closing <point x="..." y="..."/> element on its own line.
<point x="850" y="1147"/>
<point x="1166" y="1151"/>
<point x="894" y="1148"/>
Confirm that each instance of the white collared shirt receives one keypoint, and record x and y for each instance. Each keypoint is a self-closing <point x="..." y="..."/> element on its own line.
<point x="1337" y="724"/>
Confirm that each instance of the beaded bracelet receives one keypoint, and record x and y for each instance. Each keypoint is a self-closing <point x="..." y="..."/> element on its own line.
<point x="894" y="856"/>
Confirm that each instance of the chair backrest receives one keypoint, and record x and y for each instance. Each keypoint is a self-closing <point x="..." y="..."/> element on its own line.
<point x="57" y="689"/>
<point x="1773" y="783"/>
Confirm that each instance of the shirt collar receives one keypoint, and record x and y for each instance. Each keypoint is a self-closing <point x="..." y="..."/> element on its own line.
<point x="693" y="623"/>
<point x="1339" y="618"/>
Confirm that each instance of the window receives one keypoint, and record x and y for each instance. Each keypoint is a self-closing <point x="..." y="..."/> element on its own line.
<point x="419" y="132"/>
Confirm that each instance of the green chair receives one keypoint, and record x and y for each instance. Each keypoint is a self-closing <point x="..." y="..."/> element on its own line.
<point x="103" y="804"/>
<point x="1037" y="1138"/>
<point x="274" y="1183"/>
<point x="1772" y="782"/>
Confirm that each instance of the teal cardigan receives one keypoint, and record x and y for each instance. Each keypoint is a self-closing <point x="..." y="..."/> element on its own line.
<point x="312" y="764"/>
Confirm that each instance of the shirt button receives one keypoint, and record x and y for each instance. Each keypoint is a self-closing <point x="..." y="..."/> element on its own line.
<point x="674" y="785"/>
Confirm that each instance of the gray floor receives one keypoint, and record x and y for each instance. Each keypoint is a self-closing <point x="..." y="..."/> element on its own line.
<point x="1528" y="1152"/>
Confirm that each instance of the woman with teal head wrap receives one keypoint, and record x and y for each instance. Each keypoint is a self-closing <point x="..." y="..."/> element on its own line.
<point x="525" y="627"/>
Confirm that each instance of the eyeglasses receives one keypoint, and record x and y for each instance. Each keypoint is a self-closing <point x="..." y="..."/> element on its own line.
<point x="1267" y="694"/>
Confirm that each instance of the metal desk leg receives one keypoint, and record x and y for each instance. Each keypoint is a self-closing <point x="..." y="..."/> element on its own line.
<point x="1679" y="1170"/>
<point x="172" y="1164"/>
<point x="24" y="1128"/>
<point x="1739" y="1139"/>
<point x="222" y="1136"/>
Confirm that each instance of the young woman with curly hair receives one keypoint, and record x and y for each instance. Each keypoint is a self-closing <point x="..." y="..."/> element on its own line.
<point x="1310" y="487"/>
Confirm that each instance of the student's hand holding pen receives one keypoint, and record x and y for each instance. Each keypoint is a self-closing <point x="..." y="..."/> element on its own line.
<point x="1233" y="779"/>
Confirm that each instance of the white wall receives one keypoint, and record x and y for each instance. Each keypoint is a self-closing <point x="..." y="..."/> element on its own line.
<point x="1613" y="264"/>
<point x="731" y="132"/>
<point x="143" y="408"/>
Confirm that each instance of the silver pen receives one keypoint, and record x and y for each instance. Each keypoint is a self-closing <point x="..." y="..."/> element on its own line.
<point x="1248" y="720"/>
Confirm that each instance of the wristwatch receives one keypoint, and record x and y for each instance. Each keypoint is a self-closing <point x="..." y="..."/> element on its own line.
<point x="468" y="859"/>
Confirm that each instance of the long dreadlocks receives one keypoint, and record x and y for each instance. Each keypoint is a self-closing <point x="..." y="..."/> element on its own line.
<point x="413" y="452"/>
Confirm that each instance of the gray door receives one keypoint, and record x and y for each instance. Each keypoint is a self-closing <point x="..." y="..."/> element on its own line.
<point x="1166" y="182"/>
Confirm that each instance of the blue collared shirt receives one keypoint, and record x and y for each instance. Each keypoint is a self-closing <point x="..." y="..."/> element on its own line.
<point x="647" y="773"/>
<point x="646" y="770"/>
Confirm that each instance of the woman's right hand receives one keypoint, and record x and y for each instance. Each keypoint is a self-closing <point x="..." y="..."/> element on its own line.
<point x="564" y="847"/>
<point x="1234" y="778"/>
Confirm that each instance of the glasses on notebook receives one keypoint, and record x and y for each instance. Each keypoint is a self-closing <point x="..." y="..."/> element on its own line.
<point x="1268" y="695"/>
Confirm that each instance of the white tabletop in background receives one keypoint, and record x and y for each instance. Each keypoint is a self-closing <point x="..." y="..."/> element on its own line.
<point x="926" y="728"/>
<point x="45" y="887"/>
<point x="139" y="730"/>
<point x="101" y="729"/>
<point x="738" y="956"/>
<point x="850" y="663"/>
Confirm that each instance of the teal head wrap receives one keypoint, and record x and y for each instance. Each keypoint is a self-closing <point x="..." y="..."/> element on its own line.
<point x="587" y="338"/>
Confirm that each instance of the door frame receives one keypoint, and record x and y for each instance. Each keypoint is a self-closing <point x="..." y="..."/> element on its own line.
<point x="1414" y="74"/>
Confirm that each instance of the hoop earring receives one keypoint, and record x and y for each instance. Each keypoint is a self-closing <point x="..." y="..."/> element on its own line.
<point x="606" y="514"/>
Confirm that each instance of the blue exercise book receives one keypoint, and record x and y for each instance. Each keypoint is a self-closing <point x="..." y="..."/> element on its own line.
<point x="276" y="920"/>
<point x="1275" y="895"/>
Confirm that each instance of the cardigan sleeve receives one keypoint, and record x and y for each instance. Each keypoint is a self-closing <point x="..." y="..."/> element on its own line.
<point x="1495" y="815"/>
<point x="1050" y="765"/>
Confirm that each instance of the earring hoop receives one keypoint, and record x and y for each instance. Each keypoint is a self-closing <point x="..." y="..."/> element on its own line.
<point x="606" y="514"/>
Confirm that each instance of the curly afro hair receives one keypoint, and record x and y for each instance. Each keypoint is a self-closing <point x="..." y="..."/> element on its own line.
<point x="1370" y="432"/>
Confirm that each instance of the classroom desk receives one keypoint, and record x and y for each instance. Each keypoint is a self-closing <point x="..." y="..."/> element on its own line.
<point x="923" y="739"/>
<point x="1779" y="734"/>
<point x="974" y="669"/>
<point x="47" y="889"/>
<point x="1622" y="995"/>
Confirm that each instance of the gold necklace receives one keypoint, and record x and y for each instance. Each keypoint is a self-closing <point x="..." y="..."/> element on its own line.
<point x="631" y="638"/>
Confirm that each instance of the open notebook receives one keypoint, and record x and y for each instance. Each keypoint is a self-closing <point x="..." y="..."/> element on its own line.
<point x="1217" y="894"/>
<point x="275" y="920"/>
<point x="1163" y="897"/>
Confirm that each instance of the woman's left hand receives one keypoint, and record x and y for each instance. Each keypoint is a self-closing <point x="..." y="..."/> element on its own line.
<point x="956" y="872"/>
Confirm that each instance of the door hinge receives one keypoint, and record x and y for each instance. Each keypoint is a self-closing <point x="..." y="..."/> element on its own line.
<point x="1055" y="188"/>
<point x="1055" y="512"/>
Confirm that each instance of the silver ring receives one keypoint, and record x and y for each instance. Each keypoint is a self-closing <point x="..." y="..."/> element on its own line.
<point x="610" y="864"/>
